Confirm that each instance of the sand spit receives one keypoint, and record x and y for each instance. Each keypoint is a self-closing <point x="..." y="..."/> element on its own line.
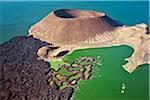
<point x="69" y="30"/>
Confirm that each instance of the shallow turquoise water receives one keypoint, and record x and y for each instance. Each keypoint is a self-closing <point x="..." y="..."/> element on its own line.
<point x="17" y="17"/>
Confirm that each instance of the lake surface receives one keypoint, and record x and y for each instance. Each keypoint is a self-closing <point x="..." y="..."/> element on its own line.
<point x="108" y="79"/>
<point x="17" y="17"/>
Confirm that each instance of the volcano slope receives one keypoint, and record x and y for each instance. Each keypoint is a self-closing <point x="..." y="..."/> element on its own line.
<point x="69" y="30"/>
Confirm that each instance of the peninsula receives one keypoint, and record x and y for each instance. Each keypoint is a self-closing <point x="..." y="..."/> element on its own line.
<point x="71" y="29"/>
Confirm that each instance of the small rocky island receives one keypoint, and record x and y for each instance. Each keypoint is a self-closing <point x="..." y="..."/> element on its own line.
<point x="26" y="72"/>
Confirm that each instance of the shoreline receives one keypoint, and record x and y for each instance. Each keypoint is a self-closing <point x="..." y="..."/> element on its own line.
<point x="133" y="36"/>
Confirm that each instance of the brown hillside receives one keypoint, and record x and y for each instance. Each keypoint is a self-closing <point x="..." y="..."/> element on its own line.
<point x="71" y="26"/>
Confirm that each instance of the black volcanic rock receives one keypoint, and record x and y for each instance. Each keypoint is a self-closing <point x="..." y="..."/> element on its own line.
<point x="23" y="76"/>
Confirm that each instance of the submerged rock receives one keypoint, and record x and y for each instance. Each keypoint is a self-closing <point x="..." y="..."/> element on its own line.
<point x="23" y="76"/>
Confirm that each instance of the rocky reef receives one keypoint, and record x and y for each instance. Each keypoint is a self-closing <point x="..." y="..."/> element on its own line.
<point x="69" y="75"/>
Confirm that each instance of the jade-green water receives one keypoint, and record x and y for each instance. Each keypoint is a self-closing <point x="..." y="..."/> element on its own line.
<point x="106" y="81"/>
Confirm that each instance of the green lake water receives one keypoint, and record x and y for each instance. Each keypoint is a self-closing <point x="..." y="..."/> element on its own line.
<point x="107" y="79"/>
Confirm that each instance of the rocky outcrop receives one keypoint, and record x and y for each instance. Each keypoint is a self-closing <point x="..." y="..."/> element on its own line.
<point x="23" y="76"/>
<point x="138" y="38"/>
